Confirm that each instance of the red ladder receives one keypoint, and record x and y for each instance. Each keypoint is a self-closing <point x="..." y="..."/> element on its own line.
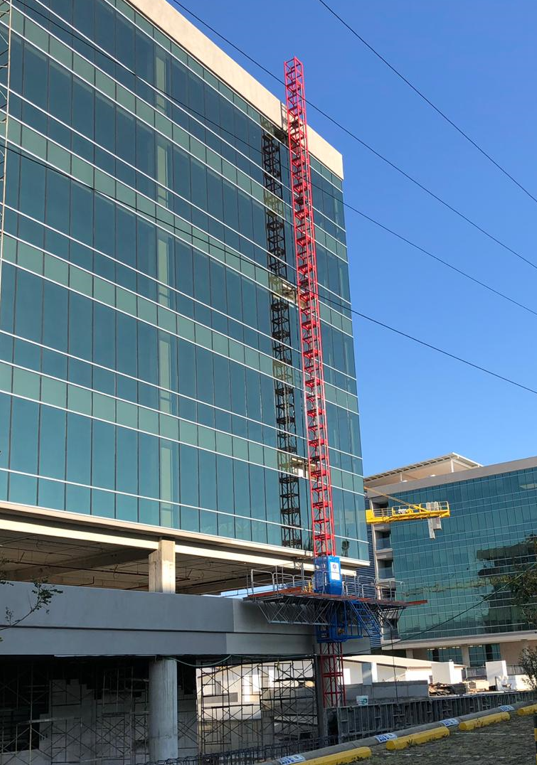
<point x="312" y="354"/>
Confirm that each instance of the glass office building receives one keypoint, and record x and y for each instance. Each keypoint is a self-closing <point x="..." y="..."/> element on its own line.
<point x="150" y="368"/>
<point x="490" y="535"/>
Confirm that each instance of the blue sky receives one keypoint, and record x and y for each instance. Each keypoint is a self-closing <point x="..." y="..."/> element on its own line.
<point x="476" y="61"/>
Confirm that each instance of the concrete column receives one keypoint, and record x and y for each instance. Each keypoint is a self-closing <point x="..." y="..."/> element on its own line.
<point x="163" y="708"/>
<point x="162" y="567"/>
<point x="163" y="742"/>
<point x="465" y="650"/>
<point x="369" y="673"/>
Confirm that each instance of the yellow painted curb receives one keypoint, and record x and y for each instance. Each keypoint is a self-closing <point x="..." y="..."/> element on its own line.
<point x="341" y="758"/>
<point x="527" y="710"/>
<point x="481" y="722"/>
<point x="415" y="739"/>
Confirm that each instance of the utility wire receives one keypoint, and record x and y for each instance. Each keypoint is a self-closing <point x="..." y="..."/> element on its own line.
<point x="485" y="599"/>
<point x="328" y="300"/>
<point x="370" y="489"/>
<point x="442" y="351"/>
<point x="428" y="101"/>
<point x="445" y="263"/>
<point x="361" y="315"/>
<point x="353" y="135"/>
<point x="461" y="272"/>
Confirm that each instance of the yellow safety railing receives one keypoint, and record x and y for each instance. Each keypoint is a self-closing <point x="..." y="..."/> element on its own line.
<point x="408" y="512"/>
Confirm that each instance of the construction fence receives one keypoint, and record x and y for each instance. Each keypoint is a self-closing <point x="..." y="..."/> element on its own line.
<point x="355" y="722"/>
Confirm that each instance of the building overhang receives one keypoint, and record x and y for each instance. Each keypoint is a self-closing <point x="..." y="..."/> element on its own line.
<point x="70" y="548"/>
<point x="388" y="483"/>
<point x="464" y="640"/>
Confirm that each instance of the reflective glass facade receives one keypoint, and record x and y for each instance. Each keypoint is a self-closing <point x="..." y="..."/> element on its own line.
<point x="140" y="285"/>
<point x="490" y="534"/>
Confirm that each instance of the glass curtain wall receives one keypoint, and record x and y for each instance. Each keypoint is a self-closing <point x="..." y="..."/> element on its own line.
<point x="489" y="536"/>
<point x="136" y="354"/>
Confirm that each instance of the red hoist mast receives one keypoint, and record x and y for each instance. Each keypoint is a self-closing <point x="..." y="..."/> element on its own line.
<point x="324" y="546"/>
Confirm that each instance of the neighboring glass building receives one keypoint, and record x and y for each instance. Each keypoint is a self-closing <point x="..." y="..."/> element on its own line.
<point x="150" y="369"/>
<point x="460" y="573"/>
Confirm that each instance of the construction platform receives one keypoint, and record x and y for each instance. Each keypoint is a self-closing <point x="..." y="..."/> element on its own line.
<point x="408" y="512"/>
<point x="360" y="611"/>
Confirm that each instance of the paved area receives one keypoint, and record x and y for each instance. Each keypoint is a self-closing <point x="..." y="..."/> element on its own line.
<point x="508" y="743"/>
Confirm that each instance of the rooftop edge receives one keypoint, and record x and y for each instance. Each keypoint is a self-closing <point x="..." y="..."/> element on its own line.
<point x="479" y="471"/>
<point x="462" y="462"/>
<point x="172" y="23"/>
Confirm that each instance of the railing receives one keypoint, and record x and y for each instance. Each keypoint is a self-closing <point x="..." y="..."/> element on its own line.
<point x="298" y="581"/>
<point x="475" y="673"/>
<point x="278" y="579"/>
<point x="515" y="669"/>
<point x="407" y="512"/>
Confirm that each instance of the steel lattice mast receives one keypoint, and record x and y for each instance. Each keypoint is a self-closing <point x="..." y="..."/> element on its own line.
<point x="312" y="357"/>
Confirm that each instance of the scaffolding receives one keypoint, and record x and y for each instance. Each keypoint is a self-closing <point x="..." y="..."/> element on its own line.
<point x="67" y="711"/>
<point x="289" y="597"/>
<point x="256" y="703"/>
<point x="73" y="711"/>
<point x="282" y="292"/>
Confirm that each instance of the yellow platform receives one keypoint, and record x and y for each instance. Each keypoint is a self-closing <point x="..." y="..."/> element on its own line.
<point x="408" y="512"/>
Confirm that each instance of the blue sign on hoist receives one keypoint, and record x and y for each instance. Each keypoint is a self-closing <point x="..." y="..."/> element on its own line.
<point x="328" y="575"/>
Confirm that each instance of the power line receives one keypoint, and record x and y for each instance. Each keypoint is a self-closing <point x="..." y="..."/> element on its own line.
<point x="353" y="135"/>
<point x="443" y="262"/>
<point x="65" y="27"/>
<point x="325" y="299"/>
<point x="361" y="315"/>
<point x="442" y="351"/>
<point x="429" y="102"/>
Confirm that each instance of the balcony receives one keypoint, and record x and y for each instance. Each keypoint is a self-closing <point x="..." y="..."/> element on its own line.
<point x="383" y="543"/>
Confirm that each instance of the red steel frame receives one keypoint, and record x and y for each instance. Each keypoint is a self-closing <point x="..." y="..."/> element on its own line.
<point x="312" y="354"/>
<point x="309" y="314"/>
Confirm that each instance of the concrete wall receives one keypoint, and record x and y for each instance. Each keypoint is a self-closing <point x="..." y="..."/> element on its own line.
<point x="510" y="652"/>
<point x="446" y="672"/>
<point x="357" y="673"/>
<point x="380" y="691"/>
<point x="96" y="622"/>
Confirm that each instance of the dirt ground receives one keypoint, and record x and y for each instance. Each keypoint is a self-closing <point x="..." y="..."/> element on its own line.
<point x="508" y="743"/>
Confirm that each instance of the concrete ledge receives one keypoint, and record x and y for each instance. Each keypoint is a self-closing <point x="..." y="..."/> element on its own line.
<point x="531" y="710"/>
<point x="416" y="739"/>
<point x="482" y="722"/>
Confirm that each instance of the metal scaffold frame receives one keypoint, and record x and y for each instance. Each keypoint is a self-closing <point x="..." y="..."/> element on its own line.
<point x="309" y="313"/>
<point x="324" y="543"/>
<point x="72" y="711"/>
<point x="282" y="291"/>
<point x="255" y="703"/>
<point x="288" y="597"/>
<point x="67" y="711"/>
